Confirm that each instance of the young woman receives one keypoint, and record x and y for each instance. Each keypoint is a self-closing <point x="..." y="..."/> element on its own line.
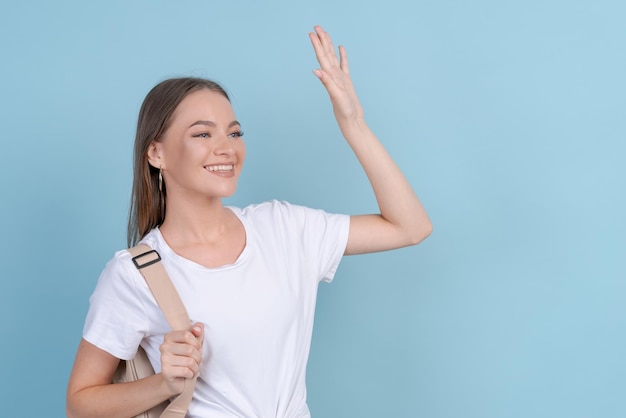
<point x="248" y="277"/>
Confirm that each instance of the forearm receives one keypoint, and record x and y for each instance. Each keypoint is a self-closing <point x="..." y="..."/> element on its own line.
<point x="117" y="400"/>
<point x="397" y="201"/>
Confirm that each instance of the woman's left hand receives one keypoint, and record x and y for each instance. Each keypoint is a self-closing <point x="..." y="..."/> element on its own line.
<point x="335" y="76"/>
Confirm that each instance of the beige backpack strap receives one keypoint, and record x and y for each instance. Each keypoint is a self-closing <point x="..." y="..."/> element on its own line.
<point x="148" y="262"/>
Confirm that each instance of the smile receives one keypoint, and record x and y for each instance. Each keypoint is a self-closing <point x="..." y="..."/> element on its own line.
<point x="227" y="167"/>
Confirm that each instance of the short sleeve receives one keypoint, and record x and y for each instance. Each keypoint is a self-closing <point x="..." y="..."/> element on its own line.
<point x="325" y="238"/>
<point x="320" y="236"/>
<point x="116" y="321"/>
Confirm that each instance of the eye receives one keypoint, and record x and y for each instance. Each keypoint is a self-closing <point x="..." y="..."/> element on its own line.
<point x="236" y="134"/>
<point x="202" y="135"/>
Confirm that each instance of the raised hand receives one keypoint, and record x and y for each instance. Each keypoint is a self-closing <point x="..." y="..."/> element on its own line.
<point x="402" y="220"/>
<point x="335" y="76"/>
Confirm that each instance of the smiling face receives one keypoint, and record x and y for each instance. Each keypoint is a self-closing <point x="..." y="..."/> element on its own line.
<point x="201" y="153"/>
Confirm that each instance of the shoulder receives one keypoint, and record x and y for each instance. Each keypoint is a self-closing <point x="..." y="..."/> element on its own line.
<point x="276" y="209"/>
<point x="275" y="214"/>
<point x="270" y="206"/>
<point x="118" y="272"/>
<point x="151" y="239"/>
<point x="121" y="262"/>
<point x="120" y="269"/>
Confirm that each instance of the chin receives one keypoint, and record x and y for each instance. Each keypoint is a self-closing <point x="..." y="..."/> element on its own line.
<point x="226" y="193"/>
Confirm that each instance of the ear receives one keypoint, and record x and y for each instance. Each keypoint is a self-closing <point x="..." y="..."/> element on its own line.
<point x="155" y="158"/>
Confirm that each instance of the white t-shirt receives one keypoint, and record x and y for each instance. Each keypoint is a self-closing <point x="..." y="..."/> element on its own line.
<point x="258" y="312"/>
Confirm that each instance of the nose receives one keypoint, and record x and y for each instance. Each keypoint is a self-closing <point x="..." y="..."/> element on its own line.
<point x="224" y="146"/>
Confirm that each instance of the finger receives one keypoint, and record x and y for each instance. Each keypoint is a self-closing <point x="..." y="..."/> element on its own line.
<point x="172" y="359"/>
<point x="174" y="368"/>
<point x="323" y="47"/>
<point x="343" y="63"/>
<point x="325" y="39"/>
<point x="319" y="73"/>
<point x="182" y="337"/>
<point x="197" y="330"/>
<point x="180" y="356"/>
<point x="176" y="350"/>
<point x="320" y="54"/>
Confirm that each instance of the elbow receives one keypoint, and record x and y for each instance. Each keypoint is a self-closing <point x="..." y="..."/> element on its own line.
<point x="72" y="406"/>
<point x="421" y="232"/>
<point x="69" y="409"/>
<point x="69" y="413"/>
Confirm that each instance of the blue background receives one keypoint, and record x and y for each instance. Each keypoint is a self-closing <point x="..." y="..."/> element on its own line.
<point x="508" y="117"/>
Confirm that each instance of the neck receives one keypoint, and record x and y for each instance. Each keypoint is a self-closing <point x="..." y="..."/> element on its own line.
<point x="199" y="220"/>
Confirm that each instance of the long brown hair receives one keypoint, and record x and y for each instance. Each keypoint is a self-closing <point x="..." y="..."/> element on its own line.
<point x="147" y="202"/>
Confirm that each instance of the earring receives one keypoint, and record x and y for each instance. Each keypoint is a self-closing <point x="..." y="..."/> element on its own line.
<point x="160" y="179"/>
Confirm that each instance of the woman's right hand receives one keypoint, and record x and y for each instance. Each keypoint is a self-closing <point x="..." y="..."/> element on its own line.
<point x="181" y="356"/>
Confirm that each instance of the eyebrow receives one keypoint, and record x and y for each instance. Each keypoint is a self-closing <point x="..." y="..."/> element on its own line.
<point x="212" y="124"/>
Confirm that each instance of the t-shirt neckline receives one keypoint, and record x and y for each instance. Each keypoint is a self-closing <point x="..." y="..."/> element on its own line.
<point x="169" y="252"/>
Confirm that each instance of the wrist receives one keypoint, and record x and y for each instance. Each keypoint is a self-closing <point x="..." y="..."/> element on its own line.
<point x="169" y="388"/>
<point x="353" y="127"/>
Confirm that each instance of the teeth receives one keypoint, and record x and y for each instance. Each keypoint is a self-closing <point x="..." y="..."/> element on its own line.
<point x="220" y="167"/>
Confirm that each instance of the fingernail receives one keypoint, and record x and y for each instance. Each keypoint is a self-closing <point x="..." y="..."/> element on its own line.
<point x="318" y="73"/>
